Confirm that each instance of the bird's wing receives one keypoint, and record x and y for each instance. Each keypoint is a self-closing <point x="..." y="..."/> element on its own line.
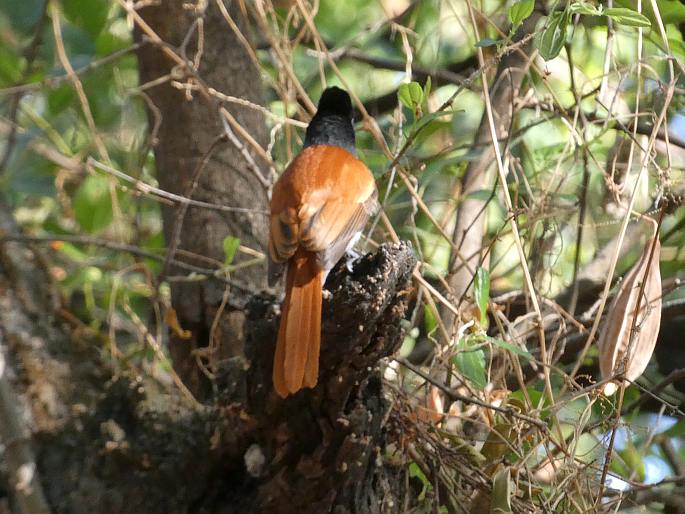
<point x="324" y="202"/>
<point x="283" y="241"/>
<point x="335" y="225"/>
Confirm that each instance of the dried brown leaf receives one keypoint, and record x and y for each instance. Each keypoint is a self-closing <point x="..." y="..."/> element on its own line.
<point x="618" y="350"/>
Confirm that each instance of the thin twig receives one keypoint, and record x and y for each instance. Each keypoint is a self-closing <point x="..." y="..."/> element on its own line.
<point x="59" y="79"/>
<point x="148" y="189"/>
<point x="76" y="82"/>
<point x="157" y="348"/>
<point x="180" y="215"/>
<point x="454" y="396"/>
<point x="121" y="247"/>
<point x="507" y="199"/>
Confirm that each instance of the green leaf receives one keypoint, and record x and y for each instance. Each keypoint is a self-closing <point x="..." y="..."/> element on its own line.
<point x="231" y="245"/>
<point x="677" y="47"/>
<point x="626" y="16"/>
<point x="481" y="290"/>
<point x="154" y="243"/>
<point x="60" y="98"/>
<point x="671" y="11"/>
<point x="108" y="42"/>
<point x="431" y="117"/>
<point x="10" y="66"/>
<point x="411" y="95"/>
<point x="72" y="252"/>
<point x="510" y="347"/>
<point x="89" y="15"/>
<point x="97" y="86"/>
<point x="428" y="129"/>
<point x="416" y="93"/>
<point x="415" y="472"/>
<point x="430" y="321"/>
<point x="518" y="399"/>
<point x="585" y="8"/>
<point x="519" y="11"/>
<point x="551" y="39"/>
<point x="93" y="204"/>
<point x="677" y="430"/>
<point x="501" y="492"/>
<point x="471" y="364"/>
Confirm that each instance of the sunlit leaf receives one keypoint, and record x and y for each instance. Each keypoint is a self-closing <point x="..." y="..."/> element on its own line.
<point x="670" y="11"/>
<point x="415" y="472"/>
<point x="585" y="8"/>
<point x="430" y="320"/>
<point x="231" y="245"/>
<point x="471" y="364"/>
<point x="481" y="292"/>
<point x="628" y="17"/>
<point x="502" y="489"/>
<point x="411" y="95"/>
<point x="427" y="88"/>
<point x="551" y="39"/>
<point x="677" y="47"/>
<point x="519" y="11"/>
<point x="89" y="15"/>
<point x="510" y="347"/>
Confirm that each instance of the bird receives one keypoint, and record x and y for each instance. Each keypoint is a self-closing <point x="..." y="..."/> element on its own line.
<point x="319" y="206"/>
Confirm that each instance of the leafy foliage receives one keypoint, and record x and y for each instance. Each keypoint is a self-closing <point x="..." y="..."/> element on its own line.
<point x="585" y="145"/>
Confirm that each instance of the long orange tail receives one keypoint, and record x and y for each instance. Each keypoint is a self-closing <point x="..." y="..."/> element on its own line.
<point x="296" y="362"/>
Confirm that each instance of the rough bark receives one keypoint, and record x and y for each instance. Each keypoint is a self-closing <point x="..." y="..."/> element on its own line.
<point x="188" y="127"/>
<point x="117" y="443"/>
<point x="23" y="329"/>
<point x="325" y="446"/>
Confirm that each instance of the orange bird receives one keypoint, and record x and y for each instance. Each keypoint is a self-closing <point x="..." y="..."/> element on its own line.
<point x="319" y="206"/>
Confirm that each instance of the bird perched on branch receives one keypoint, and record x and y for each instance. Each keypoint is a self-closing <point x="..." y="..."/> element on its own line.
<point x="319" y="206"/>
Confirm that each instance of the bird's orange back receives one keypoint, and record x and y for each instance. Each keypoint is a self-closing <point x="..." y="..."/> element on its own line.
<point x="324" y="188"/>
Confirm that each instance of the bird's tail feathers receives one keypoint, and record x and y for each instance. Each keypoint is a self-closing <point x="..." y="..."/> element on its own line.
<point x="296" y="361"/>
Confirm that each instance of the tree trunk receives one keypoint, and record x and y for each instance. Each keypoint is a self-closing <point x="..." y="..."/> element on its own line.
<point x="188" y="128"/>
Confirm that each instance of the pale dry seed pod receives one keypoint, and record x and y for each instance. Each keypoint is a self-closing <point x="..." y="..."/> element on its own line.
<point x="615" y="339"/>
